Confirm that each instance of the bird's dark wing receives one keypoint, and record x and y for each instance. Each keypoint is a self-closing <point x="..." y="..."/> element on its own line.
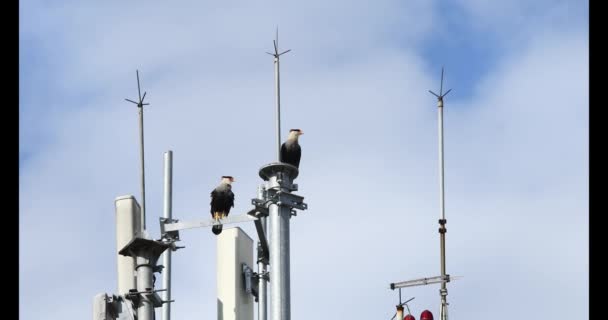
<point x="230" y="196"/>
<point x="290" y="153"/>
<point x="283" y="153"/>
<point x="221" y="201"/>
<point x="297" y="154"/>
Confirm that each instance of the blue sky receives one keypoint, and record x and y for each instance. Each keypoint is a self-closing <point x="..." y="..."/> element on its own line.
<point x="356" y="82"/>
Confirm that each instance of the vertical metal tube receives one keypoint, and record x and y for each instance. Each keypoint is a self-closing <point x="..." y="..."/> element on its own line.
<point x="441" y="171"/>
<point x="145" y="311"/>
<point x="444" y="291"/>
<point x="262" y="284"/>
<point x="278" y="105"/>
<point x="167" y="213"/>
<point x="143" y="176"/>
<point x="279" y="216"/>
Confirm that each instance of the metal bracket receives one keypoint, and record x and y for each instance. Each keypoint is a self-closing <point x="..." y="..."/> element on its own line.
<point x="152" y="295"/>
<point x="250" y="281"/>
<point x="261" y="207"/>
<point x="287" y="199"/>
<point x="264" y="254"/>
<point x="134" y="296"/>
<point x="168" y="235"/>
<point x="117" y="307"/>
<point x="112" y="305"/>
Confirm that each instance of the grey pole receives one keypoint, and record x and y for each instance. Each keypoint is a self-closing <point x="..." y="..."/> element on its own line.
<point x="262" y="284"/>
<point x="442" y="221"/>
<point x="140" y="107"/>
<point x="146" y="253"/>
<point x="167" y="213"/>
<point x="277" y="84"/>
<point x="279" y="177"/>
<point x="143" y="175"/>
<point x="145" y="311"/>
<point x="279" y="257"/>
<point x="278" y="105"/>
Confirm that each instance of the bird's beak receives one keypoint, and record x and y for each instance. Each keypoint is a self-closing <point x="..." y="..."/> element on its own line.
<point x="301" y="132"/>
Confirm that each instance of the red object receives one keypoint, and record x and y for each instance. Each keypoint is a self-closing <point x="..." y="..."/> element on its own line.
<point x="426" y="315"/>
<point x="409" y="317"/>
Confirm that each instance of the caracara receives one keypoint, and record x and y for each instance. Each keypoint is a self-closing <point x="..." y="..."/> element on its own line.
<point x="222" y="199"/>
<point x="290" y="150"/>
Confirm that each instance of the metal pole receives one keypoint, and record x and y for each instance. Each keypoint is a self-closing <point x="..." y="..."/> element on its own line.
<point x="140" y="106"/>
<point x="262" y="284"/>
<point x="277" y="82"/>
<point x="143" y="176"/>
<point x="145" y="311"/>
<point x="278" y="104"/>
<point x="279" y="179"/>
<point x="441" y="170"/>
<point x="279" y="215"/>
<point x="442" y="221"/>
<point x="167" y="213"/>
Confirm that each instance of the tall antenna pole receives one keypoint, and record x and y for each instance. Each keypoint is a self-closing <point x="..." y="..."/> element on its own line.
<point x="279" y="215"/>
<point x="167" y="214"/>
<point x="140" y="106"/>
<point x="262" y="265"/>
<point x="443" y="311"/>
<point x="277" y="83"/>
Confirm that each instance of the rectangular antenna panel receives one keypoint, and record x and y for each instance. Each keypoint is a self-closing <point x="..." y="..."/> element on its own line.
<point x="234" y="247"/>
<point x="100" y="307"/>
<point x="128" y="224"/>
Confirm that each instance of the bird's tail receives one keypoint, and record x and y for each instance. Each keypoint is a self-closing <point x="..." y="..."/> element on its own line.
<point x="217" y="229"/>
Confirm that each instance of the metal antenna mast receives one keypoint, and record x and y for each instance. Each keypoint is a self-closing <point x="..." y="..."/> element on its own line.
<point x="140" y="106"/>
<point x="167" y="214"/>
<point x="276" y="56"/>
<point x="443" y="311"/>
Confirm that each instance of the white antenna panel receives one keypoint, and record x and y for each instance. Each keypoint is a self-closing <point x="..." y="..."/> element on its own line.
<point x="128" y="224"/>
<point x="234" y="248"/>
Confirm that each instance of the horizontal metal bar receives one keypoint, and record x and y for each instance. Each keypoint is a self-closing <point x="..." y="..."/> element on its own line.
<point x="420" y="282"/>
<point x="202" y="223"/>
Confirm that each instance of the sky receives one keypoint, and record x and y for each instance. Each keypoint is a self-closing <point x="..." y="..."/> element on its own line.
<point x="356" y="82"/>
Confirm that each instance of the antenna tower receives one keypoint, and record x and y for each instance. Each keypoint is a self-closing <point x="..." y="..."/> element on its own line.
<point x="276" y="56"/>
<point x="443" y="292"/>
<point x="140" y="107"/>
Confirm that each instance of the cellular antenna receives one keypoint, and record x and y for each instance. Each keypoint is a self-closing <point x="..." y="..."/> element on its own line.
<point x="441" y="94"/>
<point x="276" y="56"/>
<point x="443" y="292"/>
<point x="140" y="107"/>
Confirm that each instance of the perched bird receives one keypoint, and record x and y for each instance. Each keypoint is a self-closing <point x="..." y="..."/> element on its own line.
<point x="222" y="199"/>
<point x="290" y="150"/>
